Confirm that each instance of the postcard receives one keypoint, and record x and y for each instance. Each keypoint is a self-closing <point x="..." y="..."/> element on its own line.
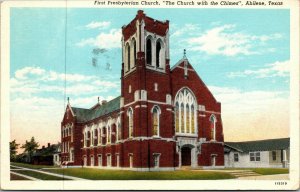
<point x="150" y="95"/>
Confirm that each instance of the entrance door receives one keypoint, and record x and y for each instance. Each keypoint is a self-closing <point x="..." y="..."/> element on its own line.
<point x="186" y="156"/>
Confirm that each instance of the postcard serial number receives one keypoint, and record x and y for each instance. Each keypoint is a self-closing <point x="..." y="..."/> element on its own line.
<point x="280" y="183"/>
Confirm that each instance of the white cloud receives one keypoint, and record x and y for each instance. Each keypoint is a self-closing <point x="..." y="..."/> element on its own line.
<point x="246" y="102"/>
<point x="24" y="72"/>
<point x="276" y="69"/>
<point x="186" y="29"/>
<point x="223" y="40"/>
<point x="104" y="40"/>
<point x="51" y="81"/>
<point x="252" y="115"/>
<point x="88" y="102"/>
<point x="99" y="25"/>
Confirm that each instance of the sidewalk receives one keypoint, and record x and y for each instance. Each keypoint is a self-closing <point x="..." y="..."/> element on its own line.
<point x="48" y="173"/>
<point x="266" y="177"/>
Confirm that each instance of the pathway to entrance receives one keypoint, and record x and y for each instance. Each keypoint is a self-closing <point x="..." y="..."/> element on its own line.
<point x="16" y="168"/>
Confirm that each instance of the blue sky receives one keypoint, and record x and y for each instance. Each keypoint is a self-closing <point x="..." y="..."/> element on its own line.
<point x="241" y="54"/>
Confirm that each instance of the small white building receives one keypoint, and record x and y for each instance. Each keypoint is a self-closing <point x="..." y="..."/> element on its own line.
<point x="262" y="153"/>
<point x="56" y="155"/>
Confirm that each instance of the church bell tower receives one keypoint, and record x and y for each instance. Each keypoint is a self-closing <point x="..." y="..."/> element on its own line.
<point x="146" y="107"/>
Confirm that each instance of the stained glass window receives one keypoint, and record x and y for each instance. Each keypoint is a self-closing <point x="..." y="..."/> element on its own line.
<point x="213" y="121"/>
<point x="155" y="117"/>
<point x="187" y="111"/>
<point x="182" y="118"/>
<point x="177" y="117"/>
<point x="130" y="122"/>
<point x="193" y="119"/>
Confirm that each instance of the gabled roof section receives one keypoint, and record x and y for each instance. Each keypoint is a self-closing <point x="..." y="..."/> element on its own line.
<point x="190" y="66"/>
<point x="260" y="145"/>
<point x="179" y="62"/>
<point x="84" y="115"/>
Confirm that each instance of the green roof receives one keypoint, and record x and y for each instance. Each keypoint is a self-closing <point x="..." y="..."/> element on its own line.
<point x="261" y="145"/>
<point x="84" y="115"/>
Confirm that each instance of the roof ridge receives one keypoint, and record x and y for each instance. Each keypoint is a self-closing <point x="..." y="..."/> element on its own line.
<point x="79" y="108"/>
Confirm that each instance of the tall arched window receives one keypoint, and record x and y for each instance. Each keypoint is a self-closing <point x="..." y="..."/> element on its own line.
<point x="119" y="129"/>
<point x="213" y="121"/>
<point x="177" y="117"/>
<point x="182" y="119"/>
<point x="108" y="134"/>
<point x="99" y="135"/>
<point x="134" y="52"/>
<point x="155" y="120"/>
<point x="158" y="49"/>
<point x="128" y="57"/>
<point x="193" y="119"/>
<point x="149" y="51"/>
<point x="185" y="112"/>
<point x="104" y="136"/>
<point x="92" y="137"/>
<point x="130" y="122"/>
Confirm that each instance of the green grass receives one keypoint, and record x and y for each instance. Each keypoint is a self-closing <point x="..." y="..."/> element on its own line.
<point x="32" y="166"/>
<point x="98" y="174"/>
<point x="270" y="171"/>
<point x="37" y="175"/>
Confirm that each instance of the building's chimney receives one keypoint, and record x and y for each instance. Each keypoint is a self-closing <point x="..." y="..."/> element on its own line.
<point x="103" y="102"/>
<point x="48" y="145"/>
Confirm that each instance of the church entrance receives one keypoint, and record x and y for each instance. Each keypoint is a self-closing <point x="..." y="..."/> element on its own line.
<point x="186" y="156"/>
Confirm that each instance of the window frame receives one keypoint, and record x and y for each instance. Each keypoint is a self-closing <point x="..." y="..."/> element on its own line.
<point x="158" y="112"/>
<point x="255" y="156"/>
<point x="156" y="158"/>
<point x="100" y="160"/>
<point x="149" y="52"/>
<point x="274" y="154"/>
<point x="213" y="121"/>
<point x="236" y="157"/>
<point x="130" y="123"/>
<point x="183" y="125"/>
<point x="108" y="159"/>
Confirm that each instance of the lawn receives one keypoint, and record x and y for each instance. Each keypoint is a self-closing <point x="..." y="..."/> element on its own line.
<point x="98" y="174"/>
<point x="32" y="166"/>
<point x="270" y="171"/>
<point x="38" y="175"/>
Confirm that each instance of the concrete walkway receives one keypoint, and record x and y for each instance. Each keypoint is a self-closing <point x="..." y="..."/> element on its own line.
<point x="266" y="177"/>
<point x="48" y="173"/>
<point x="25" y="176"/>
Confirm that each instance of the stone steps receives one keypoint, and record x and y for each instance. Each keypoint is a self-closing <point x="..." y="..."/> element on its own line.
<point x="243" y="173"/>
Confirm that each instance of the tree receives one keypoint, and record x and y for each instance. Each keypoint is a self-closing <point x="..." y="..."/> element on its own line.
<point x="30" y="147"/>
<point x="13" y="146"/>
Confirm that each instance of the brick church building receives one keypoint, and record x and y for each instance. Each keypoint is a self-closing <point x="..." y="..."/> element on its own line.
<point x="165" y="117"/>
